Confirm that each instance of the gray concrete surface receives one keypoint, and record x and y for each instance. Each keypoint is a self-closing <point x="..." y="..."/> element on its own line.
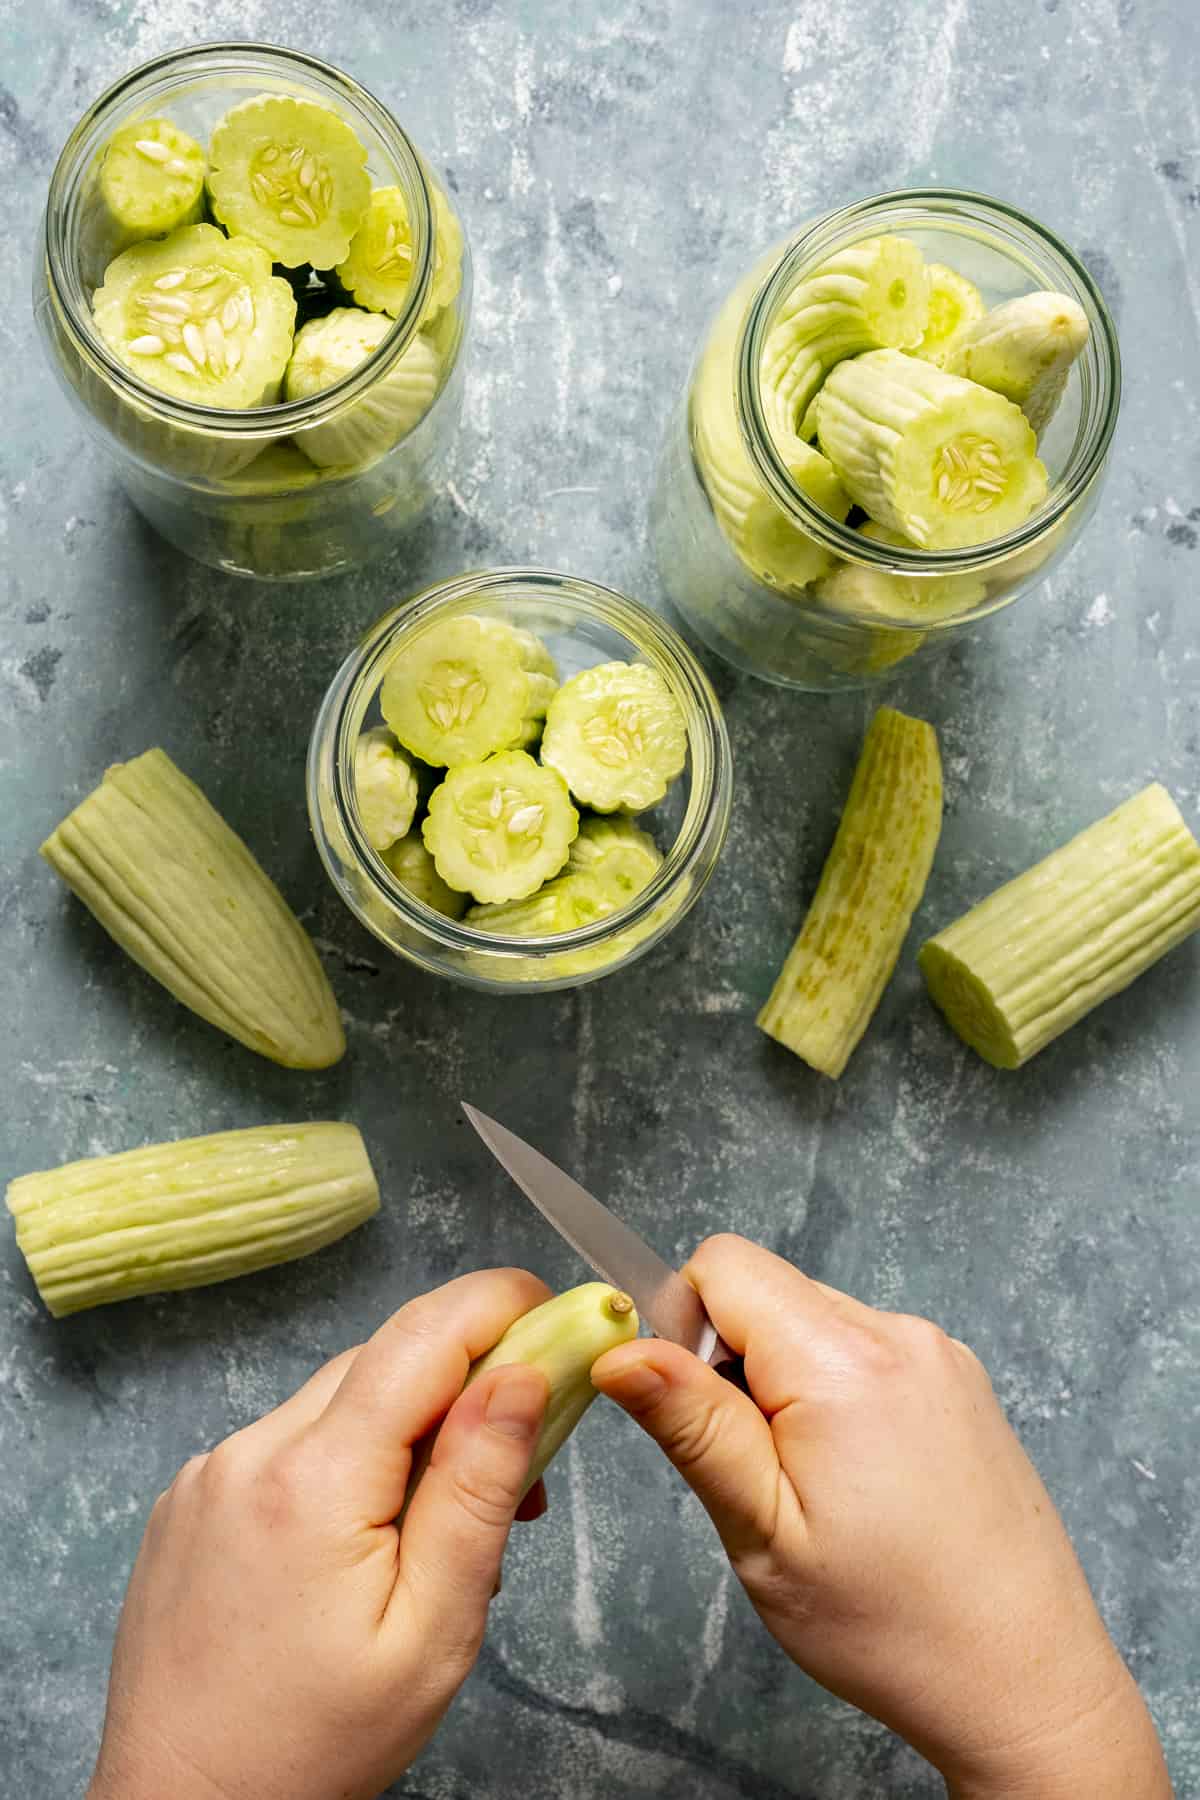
<point x="616" y="166"/>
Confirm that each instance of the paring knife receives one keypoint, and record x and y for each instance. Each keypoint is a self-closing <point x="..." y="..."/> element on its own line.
<point x="669" y="1304"/>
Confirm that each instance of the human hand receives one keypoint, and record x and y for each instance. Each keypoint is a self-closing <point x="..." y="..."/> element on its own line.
<point x="892" y="1533"/>
<point x="281" y="1639"/>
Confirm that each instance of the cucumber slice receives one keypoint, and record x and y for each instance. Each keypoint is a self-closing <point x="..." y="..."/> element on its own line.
<point x="378" y="269"/>
<point x="616" y="735"/>
<point x="872" y="295"/>
<point x="954" y="305"/>
<point x="199" y="315"/>
<point x="870" y="886"/>
<point x="291" y="175"/>
<point x="414" y="868"/>
<point x="466" y="687"/>
<point x="1030" y="960"/>
<point x="1024" y="350"/>
<point x="618" y="854"/>
<point x="942" y="460"/>
<point x="276" y="472"/>
<point x="852" y="587"/>
<point x="385" y="788"/>
<point x="330" y="348"/>
<point x="499" y="828"/>
<point x="563" y="904"/>
<point x="151" y="181"/>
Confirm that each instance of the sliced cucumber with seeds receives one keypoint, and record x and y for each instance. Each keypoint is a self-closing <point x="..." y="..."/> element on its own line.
<point x="414" y="868"/>
<point x="328" y="349"/>
<point x="943" y="461"/>
<point x="563" y="904"/>
<point x="385" y="788"/>
<point x="954" y="305"/>
<point x="199" y="315"/>
<point x="1024" y="350"/>
<point x="466" y="687"/>
<point x="291" y="174"/>
<point x="616" y="735"/>
<point x="853" y="587"/>
<point x="151" y="181"/>
<point x="499" y="828"/>
<point x="617" y="854"/>
<point x="378" y="270"/>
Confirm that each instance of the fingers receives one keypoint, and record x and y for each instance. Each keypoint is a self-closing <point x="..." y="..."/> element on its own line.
<point x="714" y="1435"/>
<point x="307" y="1404"/>
<point x="404" y="1379"/>
<point x="458" y="1521"/>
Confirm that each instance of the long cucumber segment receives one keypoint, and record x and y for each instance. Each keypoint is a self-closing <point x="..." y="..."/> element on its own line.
<point x="182" y="895"/>
<point x="328" y="349"/>
<point x="942" y="460"/>
<point x="869" y="889"/>
<point x="498" y="829"/>
<point x="1024" y="350"/>
<point x="466" y="687"/>
<point x="1029" y="961"/>
<point x="385" y="788"/>
<point x="185" y="1214"/>
<point x="617" y="736"/>
<point x="954" y="305"/>
<point x="152" y="180"/>
<point x="291" y="174"/>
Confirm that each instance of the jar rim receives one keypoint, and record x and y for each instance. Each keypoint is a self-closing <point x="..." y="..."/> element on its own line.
<point x="845" y="225"/>
<point x="157" y="77"/>
<point x="339" y="721"/>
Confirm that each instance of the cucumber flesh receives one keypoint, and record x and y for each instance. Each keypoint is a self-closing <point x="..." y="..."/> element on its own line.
<point x="328" y="349"/>
<point x="290" y="174"/>
<point x="466" y="687"/>
<point x="616" y="853"/>
<point x="1024" y="350"/>
<point x="385" y="788"/>
<point x="853" y="587"/>
<point x="954" y="305"/>
<point x="564" y="904"/>
<point x="378" y="269"/>
<point x="616" y="735"/>
<point x="499" y="828"/>
<point x="151" y="180"/>
<point x="414" y="868"/>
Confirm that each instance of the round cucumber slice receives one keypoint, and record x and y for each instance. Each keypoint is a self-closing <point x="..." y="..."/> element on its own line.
<point x="200" y="316"/>
<point x="499" y="828"/>
<point x="151" y="180"/>
<point x="291" y="174"/>
<point x="379" y="267"/>
<point x="327" y="349"/>
<point x="617" y="854"/>
<point x="466" y="687"/>
<point x="384" y="787"/>
<point x="414" y="868"/>
<point x="616" y="735"/>
<point x="954" y="305"/>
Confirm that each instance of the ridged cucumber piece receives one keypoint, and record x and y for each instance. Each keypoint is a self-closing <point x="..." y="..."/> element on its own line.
<point x="385" y="788"/>
<point x="328" y="349"/>
<point x="414" y="868"/>
<point x="1029" y="961"/>
<point x="466" y="687"/>
<point x="183" y="896"/>
<point x="618" y="854"/>
<point x="941" y="460"/>
<point x="499" y="828"/>
<point x="379" y="267"/>
<point x="564" y="904"/>
<point x="189" y="1213"/>
<point x="277" y="471"/>
<point x="954" y="305"/>
<point x="199" y="315"/>
<point x="872" y="295"/>
<point x="870" y="886"/>
<point x="291" y="174"/>
<point x="852" y="587"/>
<point x="151" y="181"/>
<point x="617" y="736"/>
<point x="1024" y="350"/>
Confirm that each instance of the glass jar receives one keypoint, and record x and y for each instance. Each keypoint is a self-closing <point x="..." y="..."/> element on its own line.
<point x="581" y="624"/>
<point x="256" y="491"/>
<point x="773" y="615"/>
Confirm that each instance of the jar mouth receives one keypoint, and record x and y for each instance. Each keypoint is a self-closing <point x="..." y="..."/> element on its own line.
<point x="1028" y="243"/>
<point x="154" y="81"/>
<point x="342" y="713"/>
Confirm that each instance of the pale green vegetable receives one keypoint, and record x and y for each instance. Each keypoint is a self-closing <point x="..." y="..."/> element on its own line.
<point x="385" y="788"/>
<point x="618" y="854"/>
<point x="414" y="868"/>
<point x="151" y="181"/>
<point x="499" y="828"/>
<point x="1024" y="350"/>
<point x="616" y="735"/>
<point x="856" y="588"/>
<point x="465" y="687"/>
<point x="291" y="174"/>
<point x="328" y="349"/>
<point x="378" y="270"/>
<point x="954" y="305"/>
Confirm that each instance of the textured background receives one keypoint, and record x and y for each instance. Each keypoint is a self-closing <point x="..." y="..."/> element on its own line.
<point x="617" y="164"/>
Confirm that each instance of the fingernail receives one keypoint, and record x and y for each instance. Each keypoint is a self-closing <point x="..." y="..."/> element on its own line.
<point x="516" y="1404"/>
<point x="635" y="1384"/>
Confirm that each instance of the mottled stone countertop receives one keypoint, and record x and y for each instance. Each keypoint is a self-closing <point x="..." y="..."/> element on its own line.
<point x="617" y="165"/>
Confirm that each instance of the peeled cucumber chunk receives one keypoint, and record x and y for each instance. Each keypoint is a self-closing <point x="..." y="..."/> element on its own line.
<point x="954" y="305"/>
<point x="617" y="853"/>
<point x="151" y="181"/>
<point x="616" y="735"/>
<point x="1029" y="961"/>
<point x="498" y="829"/>
<point x="856" y="588"/>
<point x="1024" y="350"/>
<point x="385" y="788"/>
<point x="466" y="687"/>
<point x="870" y="295"/>
<point x="291" y="174"/>
<point x="378" y="270"/>
<point x="941" y="460"/>
<point x="414" y="868"/>
<point x="182" y="895"/>
<point x="328" y="349"/>
<point x="870" y="887"/>
<point x="186" y="1214"/>
<point x="564" y="904"/>
<point x="199" y="315"/>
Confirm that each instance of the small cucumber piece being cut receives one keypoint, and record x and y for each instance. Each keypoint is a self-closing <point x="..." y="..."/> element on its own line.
<point x="870" y="886"/>
<point x="151" y="181"/>
<point x="616" y="735"/>
<point x="466" y="687"/>
<point x="1030" y="960"/>
<point x="498" y="829"/>
<point x="385" y="788"/>
<point x="941" y="460"/>
<point x="291" y="175"/>
<point x="199" y="315"/>
<point x="414" y="868"/>
<point x="330" y="348"/>
<point x="1024" y="350"/>
<point x="954" y="305"/>
<point x="379" y="268"/>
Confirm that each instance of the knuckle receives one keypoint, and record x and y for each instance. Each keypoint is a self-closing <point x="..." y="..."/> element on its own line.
<point x="922" y="1336"/>
<point x="280" y="1488"/>
<point x="692" y="1439"/>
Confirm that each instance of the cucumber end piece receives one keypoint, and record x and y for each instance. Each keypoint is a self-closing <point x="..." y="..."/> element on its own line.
<point x="967" y="1006"/>
<point x="290" y="174"/>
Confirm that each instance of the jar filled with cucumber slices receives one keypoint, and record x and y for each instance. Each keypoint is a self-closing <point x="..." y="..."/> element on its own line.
<point x="520" y="780"/>
<point x="256" y="290"/>
<point x="896" y="425"/>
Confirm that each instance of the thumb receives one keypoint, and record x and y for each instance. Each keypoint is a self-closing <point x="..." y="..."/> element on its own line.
<point x="713" y="1434"/>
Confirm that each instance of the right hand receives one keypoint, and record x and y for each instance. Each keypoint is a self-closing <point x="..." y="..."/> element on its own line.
<point x="892" y="1533"/>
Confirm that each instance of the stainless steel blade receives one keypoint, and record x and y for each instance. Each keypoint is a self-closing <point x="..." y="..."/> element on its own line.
<point x="669" y="1304"/>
